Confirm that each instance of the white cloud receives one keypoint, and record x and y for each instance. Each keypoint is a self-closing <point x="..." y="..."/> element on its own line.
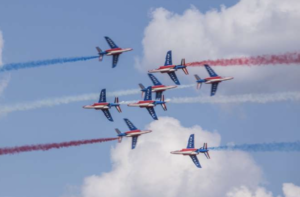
<point x="246" y="192"/>
<point x="5" y="79"/>
<point x="150" y="169"/>
<point x="3" y="83"/>
<point x="289" y="190"/>
<point x="251" y="27"/>
<point x="1" y="46"/>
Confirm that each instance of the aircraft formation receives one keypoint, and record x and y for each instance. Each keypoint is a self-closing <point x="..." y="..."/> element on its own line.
<point x="149" y="103"/>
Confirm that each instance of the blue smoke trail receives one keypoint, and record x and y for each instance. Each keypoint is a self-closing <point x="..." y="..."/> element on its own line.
<point x="17" y="66"/>
<point x="270" y="147"/>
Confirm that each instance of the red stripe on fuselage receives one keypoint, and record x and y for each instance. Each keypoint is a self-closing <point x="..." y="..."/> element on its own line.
<point x="189" y="149"/>
<point x="133" y="131"/>
<point x="96" y="104"/>
<point x="170" y="66"/>
<point x="146" y="102"/>
<point x="158" y="86"/>
<point x="209" y="78"/>
<point x="116" y="49"/>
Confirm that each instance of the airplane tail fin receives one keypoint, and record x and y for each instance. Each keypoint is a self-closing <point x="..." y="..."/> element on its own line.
<point x="120" y="137"/>
<point x="99" y="52"/>
<point x="142" y="89"/>
<point x="184" y="69"/>
<point x="118" y="106"/>
<point x="199" y="84"/>
<point x="164" y="106"/>
<point x="206" y="153"/>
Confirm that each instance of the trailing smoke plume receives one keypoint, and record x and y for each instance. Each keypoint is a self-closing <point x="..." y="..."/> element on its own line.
<point x="17" y="66"/>
<point x="68" y="99"/>
<point x="287" y="58"/>
<point x="242" y="98"/>
<point x="270" y="147"/>
<point x="45" y="147"/>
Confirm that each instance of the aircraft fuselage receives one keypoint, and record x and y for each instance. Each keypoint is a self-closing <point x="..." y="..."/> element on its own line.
<point x="116" y="51"/>
<point x="164" y="69"/>
<point x="97" y="106"/>
<point x="136" y="133"/>
<point x="142" y="104"/>
<point x="187" y="151"/>
<point x="211" y="80"/>
<point x="160" y="88"/>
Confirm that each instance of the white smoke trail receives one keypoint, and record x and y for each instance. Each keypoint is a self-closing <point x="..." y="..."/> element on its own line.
<point x="243" y="98"/>
<point x="4" y="83"/>
<point x="69" y="99"/>
<point x="60" y="101"/>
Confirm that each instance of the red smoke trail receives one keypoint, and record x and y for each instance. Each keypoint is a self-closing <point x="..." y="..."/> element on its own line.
<point x="287" y="58"/>
<point x="45" y="147"/>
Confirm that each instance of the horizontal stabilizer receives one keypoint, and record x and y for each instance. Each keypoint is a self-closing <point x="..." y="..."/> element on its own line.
<point x="141" y="86"/>
<point x="183" y="62"/>
<point x="118" y="131"/>
<point x="185" y="71"/>
<point x="99" y="53"/>
<point x="197" y="77"/>
<point x="99" y="50"/>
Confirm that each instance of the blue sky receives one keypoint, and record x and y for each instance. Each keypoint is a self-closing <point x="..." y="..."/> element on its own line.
<point x="35" y="30"/>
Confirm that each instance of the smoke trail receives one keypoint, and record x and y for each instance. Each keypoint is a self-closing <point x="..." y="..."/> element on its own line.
<point x="61" y="100"/>
<point x="68" y="99"/>
<point x="17" y="66"/>
<point x="4" y="83"/>
<point x="270" y="147"/>
<point x="243" y="98"/>
<point x="45" y="147"/>
<point x="287" y="58"/>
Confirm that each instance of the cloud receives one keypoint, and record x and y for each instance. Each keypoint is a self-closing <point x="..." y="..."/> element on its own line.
<point x="150" y="169"/>
<point x="4" y="83"/>
<point x="249" y="28"/>
<point x="4" y="80"/>
<point x="1" y="46"/>
<point x="289" y="190"/>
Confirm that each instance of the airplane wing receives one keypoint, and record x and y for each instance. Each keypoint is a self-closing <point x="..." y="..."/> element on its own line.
<point x="195" y="160"/>
<point x="154" y="80"/>
<point x="102" y="97"/>
<point x="158" y="95"/>
<point x="148" y="94"/>
<point x="134" y="142"/>
<point x="191" y="142"/>
<point x="168" y="58"/>
<point x="107" y="114"/>
<point x="111" y="43"/>
<point x="210" y="71"/>
<point x="174" y="77"/>
<point x="115" y="60"/>
<point x="214" y="87"/>
<point x="129" y="124"/>
<point x="152" y="113"/>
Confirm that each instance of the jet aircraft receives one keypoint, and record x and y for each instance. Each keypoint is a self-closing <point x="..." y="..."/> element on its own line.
<point x="170" y="68"/>
<point x="192" y="151"/>
<point x="134" y="133"/>
<point x="158" y="88"/>
<point x="214" y="80"/>
<point x="149" y="104"/>
<point x="115" y="51"/>
<point x="104" y="106"/>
